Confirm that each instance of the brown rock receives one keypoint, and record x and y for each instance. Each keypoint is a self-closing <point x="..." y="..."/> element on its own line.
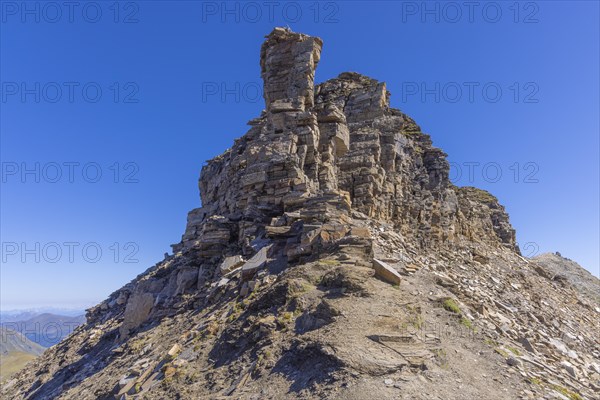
<point x="360" y="231"/>
<point x="386" y="273"/>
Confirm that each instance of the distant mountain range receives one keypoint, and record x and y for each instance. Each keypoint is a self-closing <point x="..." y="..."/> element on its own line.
<point x="25" y="314"/>
<point x="44" y="329"/>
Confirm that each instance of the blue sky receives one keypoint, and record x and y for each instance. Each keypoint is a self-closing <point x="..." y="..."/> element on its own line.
<point x="145" y="92"/>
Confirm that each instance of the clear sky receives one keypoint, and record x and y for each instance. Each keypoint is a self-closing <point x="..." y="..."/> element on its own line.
<point x="109" y="111"/>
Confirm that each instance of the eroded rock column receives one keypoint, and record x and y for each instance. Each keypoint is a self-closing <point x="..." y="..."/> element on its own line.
<point x="288" y="62"/>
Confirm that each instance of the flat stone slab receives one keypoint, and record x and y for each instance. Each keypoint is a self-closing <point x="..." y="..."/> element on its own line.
<point x="255" y="263"/>
<point x="386" y="273"/>
<point x="230" y="263"/>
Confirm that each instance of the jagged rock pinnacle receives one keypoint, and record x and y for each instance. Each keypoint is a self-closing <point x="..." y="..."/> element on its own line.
<point x="288" y="61"/>
<point x="326" y="150"/>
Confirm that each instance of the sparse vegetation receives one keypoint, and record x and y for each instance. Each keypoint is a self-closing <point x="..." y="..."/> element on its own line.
<point x="307" y="287"/>
<point x="535" y="381"/>
<point x="137" y="345"/>
<point x="479" y="194"/>
<point x="467" y="322"/>
<point x="239" y="306"/>
<point x="414" y="318"/>
<point x="441" y="356"/>
<point x="439" y="352"/>
<point x="417" y="322"/>
<point x="450" y="305"/>
<point x="410" y="133"/>
<point x="13" y="362"/>
<point x="318" y="281"/>
<point x="192" y="377"/>
<point x="169" y="370"/>
<point x="299" y="287"/>
<point x="329" y="263"/>
<point x="567" y="392"/>
<point x="513" y="350"/>
<point x="236" y="310"/>
<point x="501" y="352"/>
<point x="173" y="376"/>
<point x="211" y="329"/>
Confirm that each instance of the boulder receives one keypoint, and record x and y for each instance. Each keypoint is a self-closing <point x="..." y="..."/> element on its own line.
<point x="136" y="312"/>
<point x="384" y="272"/>
<point x="186" y="278"/>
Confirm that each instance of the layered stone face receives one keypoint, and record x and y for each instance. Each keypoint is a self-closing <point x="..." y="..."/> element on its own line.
<point x="288" y="61"/>
<point x="319" y="152"/>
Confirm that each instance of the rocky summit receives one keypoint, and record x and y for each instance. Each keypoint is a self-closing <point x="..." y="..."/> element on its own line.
<point x="332" y="258"/>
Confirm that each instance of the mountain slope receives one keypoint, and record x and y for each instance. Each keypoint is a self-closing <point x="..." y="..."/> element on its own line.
<point x="15" y="352"/>
<point x="11" y="341"/>
<point x="17" y="315"/>
<point x="561" y="269"/>
<point x="332" y="258"/>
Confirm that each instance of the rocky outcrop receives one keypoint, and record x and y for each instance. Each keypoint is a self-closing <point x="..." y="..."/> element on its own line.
<point x="318" y="162"/>
<point x="566" y="272"/>
<point x="319" y="151"/>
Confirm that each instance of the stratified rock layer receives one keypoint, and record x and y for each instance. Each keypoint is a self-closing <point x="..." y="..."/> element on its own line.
<point x="326" y="150"/>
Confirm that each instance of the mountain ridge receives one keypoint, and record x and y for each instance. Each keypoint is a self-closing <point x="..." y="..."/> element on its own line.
<point x="332" y="258"/>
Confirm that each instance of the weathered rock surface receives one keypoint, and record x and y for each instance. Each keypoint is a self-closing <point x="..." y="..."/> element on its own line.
<point x="230" y="264"/>
<point x="136" y="312"/>
<point x="329" y="189"/>
<point x="385" y="272"/>
<point x="558" y="268"/>
<point x="318" y="151"/>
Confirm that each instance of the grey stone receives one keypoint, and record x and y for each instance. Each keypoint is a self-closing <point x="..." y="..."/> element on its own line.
<point x="122" y="298"/>
<point x="222" y="282"/>
<point x="244" y="290"/>
<point x="186" y="278"/>
<point x="136" y="312"/>
<point x="230" y="264"/>
<point x="512" y="361"/>
<point x="257" y="261"/>
<point x="569" y="368"/>
<point x="561" y="347"/>
<point x="527" y="344"/>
